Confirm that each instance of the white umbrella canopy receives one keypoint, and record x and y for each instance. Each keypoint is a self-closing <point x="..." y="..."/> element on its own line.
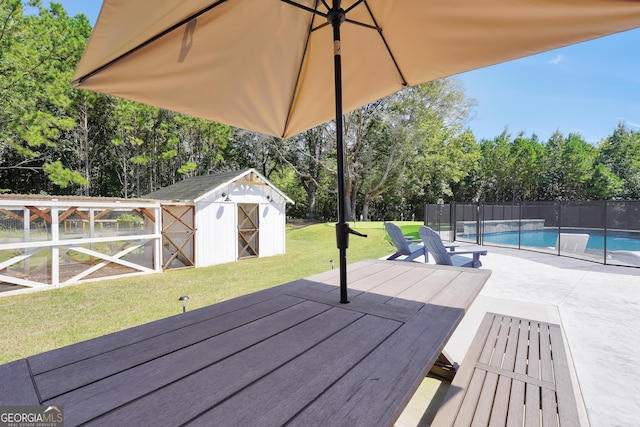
<point x="266" y="65"/>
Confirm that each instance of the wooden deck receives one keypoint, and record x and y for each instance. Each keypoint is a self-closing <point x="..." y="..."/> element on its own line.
<point x="290" y="354"/>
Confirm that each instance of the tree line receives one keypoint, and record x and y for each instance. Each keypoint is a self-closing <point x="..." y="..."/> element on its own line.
<point x="403" y="151"/>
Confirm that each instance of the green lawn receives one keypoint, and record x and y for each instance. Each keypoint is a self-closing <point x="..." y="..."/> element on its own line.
<point x="40" y="321"/>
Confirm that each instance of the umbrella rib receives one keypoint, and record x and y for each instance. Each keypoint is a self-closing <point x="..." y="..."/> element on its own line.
<point x="314" y="12"/>
<point x="386" y="45"/>
<point x="320" y="26"/>
<point x="150" y="41"/>
<point x="362" y="24"/>
<point x="353" y="6"/>
<point x="303" y="7"/>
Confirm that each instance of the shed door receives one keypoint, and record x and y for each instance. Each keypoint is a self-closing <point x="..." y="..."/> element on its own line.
<point x="178" y="233"/>
<point x="248" y="216"/>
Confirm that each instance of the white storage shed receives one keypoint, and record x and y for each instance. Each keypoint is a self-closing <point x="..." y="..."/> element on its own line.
<point x="222" y="217"/>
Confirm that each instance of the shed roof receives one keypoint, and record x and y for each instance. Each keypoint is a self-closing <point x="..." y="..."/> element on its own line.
<point x="198" y="187"/>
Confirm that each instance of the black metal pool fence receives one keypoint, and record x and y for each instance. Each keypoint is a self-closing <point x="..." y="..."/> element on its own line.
<point x="612" y="226"/>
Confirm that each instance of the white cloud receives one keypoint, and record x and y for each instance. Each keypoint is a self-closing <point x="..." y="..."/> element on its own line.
<point x="558" y="59"/>
<point x="635" y="125"/>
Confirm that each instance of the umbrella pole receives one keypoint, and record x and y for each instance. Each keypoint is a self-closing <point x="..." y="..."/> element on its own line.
<point x="336" y="18"/>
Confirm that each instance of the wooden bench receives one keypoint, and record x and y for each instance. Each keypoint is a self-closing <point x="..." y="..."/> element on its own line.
<point x="516" y="372"/>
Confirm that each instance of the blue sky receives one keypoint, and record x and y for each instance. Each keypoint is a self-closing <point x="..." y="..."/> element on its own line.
<point x="586" y="88"/>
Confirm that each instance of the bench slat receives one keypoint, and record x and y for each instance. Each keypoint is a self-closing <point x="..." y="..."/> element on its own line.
<point x="488" y="395"/>
<point x="494" y="398"/>
<point x="509" y="361"/>
<point x="451" y="405"/>
<point x="532" y="400"/>
<point x="516" y="404"/>
<point x="546" y="365"/>
<point x="476" y="389"/>
<point x="501" y="405"/>
<point x="470" y="399"/>
<point x="534" y="350"/>
<point x="500" y="347"/>
<point x="549" y="406"/>
<point x="523" y="345"/>
<point x="567" y="411"/>
<point x="532" y="406"/>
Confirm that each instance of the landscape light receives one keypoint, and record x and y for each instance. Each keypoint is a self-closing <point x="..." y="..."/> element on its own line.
<point x="184" y="300"/>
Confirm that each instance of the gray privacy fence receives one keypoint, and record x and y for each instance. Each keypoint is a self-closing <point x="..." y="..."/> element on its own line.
<point x="607" y="232"/>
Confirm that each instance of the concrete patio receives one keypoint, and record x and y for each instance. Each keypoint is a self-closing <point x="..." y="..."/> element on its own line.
<point x="598" y="307"/>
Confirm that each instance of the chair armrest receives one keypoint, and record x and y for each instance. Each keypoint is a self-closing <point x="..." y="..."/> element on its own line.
<point x="478" y="251"/>
<point x="451" y="248"/>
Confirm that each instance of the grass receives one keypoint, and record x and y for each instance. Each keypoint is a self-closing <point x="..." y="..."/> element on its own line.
<point x="41" y="321"/>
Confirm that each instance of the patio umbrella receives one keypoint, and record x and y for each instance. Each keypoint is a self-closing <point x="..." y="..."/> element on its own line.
<point x="266" y="65"/>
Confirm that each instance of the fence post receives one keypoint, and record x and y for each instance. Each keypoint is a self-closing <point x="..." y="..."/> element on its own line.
<point x="559" y="226"/>
<point x="426" y="214"/>
<point x="452" y="221"/>
<point x="520" y="225"/>
<point x="478" y="222"/>
<point x="604" y="255"/>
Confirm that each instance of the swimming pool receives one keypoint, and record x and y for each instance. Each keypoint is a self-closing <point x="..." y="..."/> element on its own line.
<point x="616" y="240"/>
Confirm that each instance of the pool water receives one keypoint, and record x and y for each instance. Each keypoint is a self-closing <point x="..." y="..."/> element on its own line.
<point x="616" y="240"/>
